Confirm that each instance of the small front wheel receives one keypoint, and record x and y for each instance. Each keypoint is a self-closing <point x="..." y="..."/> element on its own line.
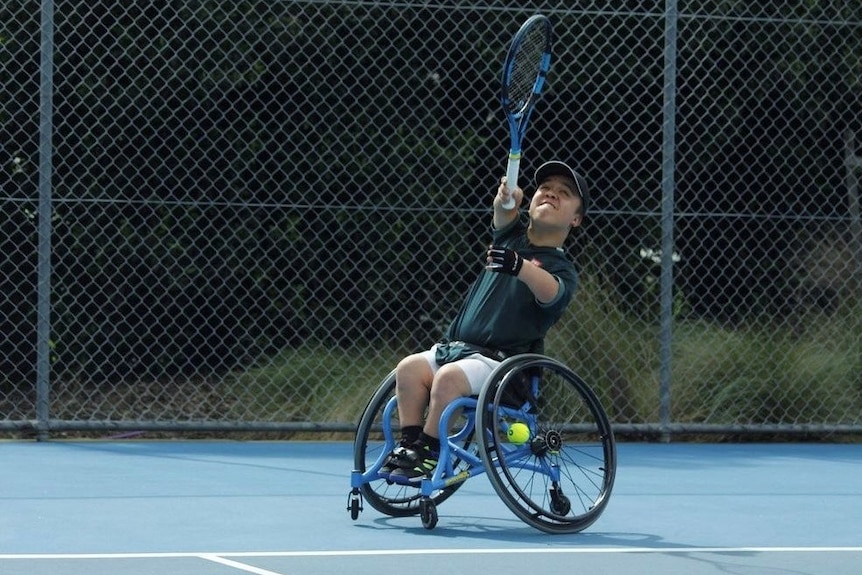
<point x="428" y="512"/>
<point x="355" y="504"/>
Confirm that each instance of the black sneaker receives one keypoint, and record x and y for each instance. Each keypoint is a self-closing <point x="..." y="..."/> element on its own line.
<point x="396" y="459"/>
<point x="424" y="463"/>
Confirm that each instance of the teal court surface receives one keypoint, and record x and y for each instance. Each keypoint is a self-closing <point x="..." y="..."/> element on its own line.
<point x="280" y="508"/>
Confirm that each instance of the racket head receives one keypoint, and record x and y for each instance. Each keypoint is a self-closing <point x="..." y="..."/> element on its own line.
<point x="526" y="66"/>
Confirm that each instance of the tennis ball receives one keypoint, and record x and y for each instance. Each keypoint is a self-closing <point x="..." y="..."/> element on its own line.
<point x="518" y="433"/>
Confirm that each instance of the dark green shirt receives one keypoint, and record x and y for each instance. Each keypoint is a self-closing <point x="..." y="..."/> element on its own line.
<point x="501" y="312"/>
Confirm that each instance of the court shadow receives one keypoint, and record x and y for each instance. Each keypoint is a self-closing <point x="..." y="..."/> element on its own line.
<point x="720" y="560"/>
<point x="515" y="531"/>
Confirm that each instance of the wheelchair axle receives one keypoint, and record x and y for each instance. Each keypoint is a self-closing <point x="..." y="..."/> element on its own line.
<point x="550" y="441"/>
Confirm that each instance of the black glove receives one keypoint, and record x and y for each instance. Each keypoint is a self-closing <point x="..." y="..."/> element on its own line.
<point x="503" y="260"/>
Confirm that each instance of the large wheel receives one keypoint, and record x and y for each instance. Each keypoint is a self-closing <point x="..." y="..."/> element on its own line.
<point x="371" y="442"/>
<point x="560" y="479"/>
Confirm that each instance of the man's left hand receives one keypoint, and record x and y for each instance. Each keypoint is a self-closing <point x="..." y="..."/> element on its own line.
<point x="503" y="260"/>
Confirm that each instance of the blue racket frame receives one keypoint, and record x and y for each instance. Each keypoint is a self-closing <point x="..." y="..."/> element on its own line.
<point x="518" y="111"/>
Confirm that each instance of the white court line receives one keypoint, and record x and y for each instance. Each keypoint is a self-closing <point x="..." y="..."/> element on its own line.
<point x="378" y="552"/>
<point x="238" y="565"/>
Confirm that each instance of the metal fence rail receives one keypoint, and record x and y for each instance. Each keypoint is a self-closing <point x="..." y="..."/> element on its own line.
<point x="238" y="216"/>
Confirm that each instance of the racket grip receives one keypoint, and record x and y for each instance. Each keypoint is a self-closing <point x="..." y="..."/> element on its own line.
<point x="512" y="171"/>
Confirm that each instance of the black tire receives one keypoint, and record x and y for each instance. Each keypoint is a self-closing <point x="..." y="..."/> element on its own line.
<point x="354" y="507"/>
<point x="569" y="430"/>
<point x="386" y="497"/>
<point x="428" y="513"/>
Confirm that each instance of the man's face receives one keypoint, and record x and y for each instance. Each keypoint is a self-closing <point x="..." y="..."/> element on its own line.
<point x="556" y="203"/>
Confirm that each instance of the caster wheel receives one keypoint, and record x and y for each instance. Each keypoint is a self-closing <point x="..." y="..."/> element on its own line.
<point x="428" y="512"/>
<point x="354" y="504"/>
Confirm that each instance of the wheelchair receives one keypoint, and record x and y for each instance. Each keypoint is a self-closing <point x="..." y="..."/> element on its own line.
<point x="558" y="480"/>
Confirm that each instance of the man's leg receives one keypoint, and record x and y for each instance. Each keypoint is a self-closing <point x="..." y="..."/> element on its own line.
<point x="450" y="383"/>
<point x="413" y="378"/>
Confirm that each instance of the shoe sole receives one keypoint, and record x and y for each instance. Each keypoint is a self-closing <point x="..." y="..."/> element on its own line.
<point x="414" y="480"/>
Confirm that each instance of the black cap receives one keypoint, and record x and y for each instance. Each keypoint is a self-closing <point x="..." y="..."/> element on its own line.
<point x="556" y="168"/>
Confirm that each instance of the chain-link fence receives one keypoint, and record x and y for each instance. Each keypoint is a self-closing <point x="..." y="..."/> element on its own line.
<point x="239" y="215"/>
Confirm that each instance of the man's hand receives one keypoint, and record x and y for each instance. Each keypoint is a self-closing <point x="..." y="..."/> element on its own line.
<point x="503" y="260"/>
<point x="504" y="194"/>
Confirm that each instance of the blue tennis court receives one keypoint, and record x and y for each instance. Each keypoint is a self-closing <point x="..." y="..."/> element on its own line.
<point x="279" y="508"/>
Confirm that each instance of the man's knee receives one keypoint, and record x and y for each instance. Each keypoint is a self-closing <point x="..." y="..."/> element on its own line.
<point x="413" y="370"/>
<point x="450" y="382"/>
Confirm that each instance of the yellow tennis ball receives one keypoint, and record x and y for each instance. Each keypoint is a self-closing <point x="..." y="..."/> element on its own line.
<point x="518" y="433"/>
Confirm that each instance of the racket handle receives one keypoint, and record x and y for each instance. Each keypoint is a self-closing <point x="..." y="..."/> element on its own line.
<point x="511" y="180"/>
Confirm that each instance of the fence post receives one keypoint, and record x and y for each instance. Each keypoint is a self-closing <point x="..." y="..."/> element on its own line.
<point x="853" y="162"/>
<point x="43" y="266"/>
<point x="667" y="220"/>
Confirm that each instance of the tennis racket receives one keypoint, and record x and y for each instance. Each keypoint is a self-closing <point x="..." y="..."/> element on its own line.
<point x="524" y="70"/>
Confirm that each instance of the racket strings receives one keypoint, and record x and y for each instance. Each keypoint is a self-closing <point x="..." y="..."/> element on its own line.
<point x="526" y="66"/>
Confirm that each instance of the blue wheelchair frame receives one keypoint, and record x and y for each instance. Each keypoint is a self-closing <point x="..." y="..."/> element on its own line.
<point x="570" y="451"/>
<point x="445" y="473"/>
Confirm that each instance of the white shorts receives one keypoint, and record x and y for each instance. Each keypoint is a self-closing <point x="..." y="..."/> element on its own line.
<point x="476" y="367"/>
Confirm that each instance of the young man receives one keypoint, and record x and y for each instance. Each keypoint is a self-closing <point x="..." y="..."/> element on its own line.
<point x="527" y="283"/>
